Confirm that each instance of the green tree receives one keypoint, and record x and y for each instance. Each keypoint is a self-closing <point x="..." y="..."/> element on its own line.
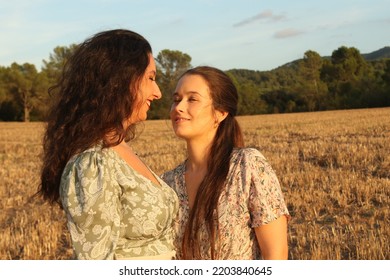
<point x="3" y="92"/>
<point x="250" y="87"/>
<point x="9" y="109"/>
<point x="386" y="89"/>
<point x="343" y="74"/>
<point x="54" y="65"/>
<point x="311" y="90"/>
<point x="27" y="87"/>
<point x="386" y="74"/>
<point x="250" y="102"/>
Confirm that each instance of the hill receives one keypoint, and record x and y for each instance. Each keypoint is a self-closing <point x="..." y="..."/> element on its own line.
<point x="379" y="54"/>
<point x="382" y="53"/>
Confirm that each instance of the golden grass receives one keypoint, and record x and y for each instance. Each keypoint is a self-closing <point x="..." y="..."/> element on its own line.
<point x="334" y="168"/>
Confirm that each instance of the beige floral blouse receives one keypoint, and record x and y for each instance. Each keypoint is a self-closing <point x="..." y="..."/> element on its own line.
<point x="113" y="211"/>
<point x="252" y="197"/>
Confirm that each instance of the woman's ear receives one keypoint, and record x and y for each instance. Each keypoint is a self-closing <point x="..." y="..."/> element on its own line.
<point x="220" y="116"/>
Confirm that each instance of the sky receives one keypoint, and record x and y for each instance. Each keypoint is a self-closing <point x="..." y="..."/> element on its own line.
<point x="242" y="34"/>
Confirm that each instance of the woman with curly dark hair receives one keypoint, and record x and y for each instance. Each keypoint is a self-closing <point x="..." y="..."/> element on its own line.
<point x="117" y="208"/>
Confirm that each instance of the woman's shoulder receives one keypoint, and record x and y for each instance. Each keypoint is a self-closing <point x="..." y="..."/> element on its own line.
<point x="249" y="159"/>
<point x="247" y="153"/>
<point x="90" y="158"/>
<point x="173" y="173"/>
<point x="86" y="177"/>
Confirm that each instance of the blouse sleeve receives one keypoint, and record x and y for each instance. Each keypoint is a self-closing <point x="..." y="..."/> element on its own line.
<point x="266" y="201"/>
<point x="92" y="205"/>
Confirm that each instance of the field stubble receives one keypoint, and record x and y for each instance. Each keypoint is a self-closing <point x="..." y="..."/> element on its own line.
<point x="334" y="168"/>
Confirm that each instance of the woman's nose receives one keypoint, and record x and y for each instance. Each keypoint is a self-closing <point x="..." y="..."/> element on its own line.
<point x="157" y="92"/>
<point x="177" y="106"/>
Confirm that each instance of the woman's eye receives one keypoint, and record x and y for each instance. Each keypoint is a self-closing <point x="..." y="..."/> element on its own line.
<point x="152" y="79"/>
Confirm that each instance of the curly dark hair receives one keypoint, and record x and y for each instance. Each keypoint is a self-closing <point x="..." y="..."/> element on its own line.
<point x="93" y="97"/>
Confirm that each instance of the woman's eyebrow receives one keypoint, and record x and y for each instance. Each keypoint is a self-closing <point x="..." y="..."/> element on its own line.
<point x="188" y="92"/>
<point x="193" y="92"/>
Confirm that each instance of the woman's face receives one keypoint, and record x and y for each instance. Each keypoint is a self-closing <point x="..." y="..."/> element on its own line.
<point x="192" y="112"/>
<point x="147" y="92"/>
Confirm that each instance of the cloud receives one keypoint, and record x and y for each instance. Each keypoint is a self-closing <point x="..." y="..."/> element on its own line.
<point x="289" y="32"/>
<point x="266" y="15"/>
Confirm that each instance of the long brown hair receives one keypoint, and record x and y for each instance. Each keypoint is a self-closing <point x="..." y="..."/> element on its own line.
<point x="93" y="97"/>
<point x="205" y="210"/>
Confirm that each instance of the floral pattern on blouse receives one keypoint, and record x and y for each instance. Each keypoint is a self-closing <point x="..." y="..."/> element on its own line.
<point x="252" y="197"/>
<point x="113" y="211"/>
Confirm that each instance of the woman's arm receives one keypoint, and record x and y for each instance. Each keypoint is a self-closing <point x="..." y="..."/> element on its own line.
<point x="272" y="239"/>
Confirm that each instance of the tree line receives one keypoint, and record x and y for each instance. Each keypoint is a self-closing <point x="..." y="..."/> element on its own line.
<point x="345" y="80"/>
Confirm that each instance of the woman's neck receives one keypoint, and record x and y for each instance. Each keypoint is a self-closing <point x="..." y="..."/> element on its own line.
<point x="198" y="154"/>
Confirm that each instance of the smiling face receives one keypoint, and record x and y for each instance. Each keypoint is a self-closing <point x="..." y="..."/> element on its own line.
<point x="192" y="112"/>
<point x="148" y="91"/>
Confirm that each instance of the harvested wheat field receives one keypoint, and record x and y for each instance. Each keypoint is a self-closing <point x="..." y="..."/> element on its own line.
<point x="334" y="168"/>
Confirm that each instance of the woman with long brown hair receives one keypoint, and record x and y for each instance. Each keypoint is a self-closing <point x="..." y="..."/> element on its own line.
<point x="116" y="207"/>
<point x="230" y="202"/>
